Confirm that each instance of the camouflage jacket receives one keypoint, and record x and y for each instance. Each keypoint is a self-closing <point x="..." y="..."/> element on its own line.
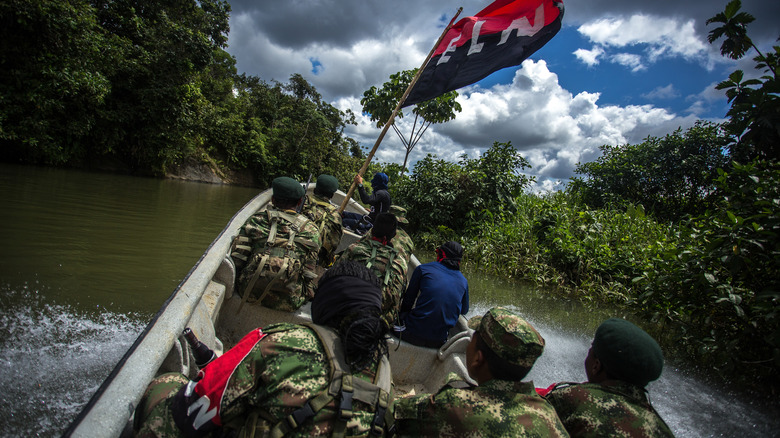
<point x="388" y="265"/>
<point x="287" y="278"/>
<point x="497" y="408"/>
<point x="403" y="243"/>
<point x="328" y="219"/>
<point x="278" y="371"/>
<point x="612" y="408"/>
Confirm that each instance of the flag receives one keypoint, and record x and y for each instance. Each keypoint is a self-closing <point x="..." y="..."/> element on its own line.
<point x="502" y="35"/>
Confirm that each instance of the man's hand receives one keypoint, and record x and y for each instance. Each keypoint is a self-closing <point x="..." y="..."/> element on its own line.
<point x="358" y="180"/>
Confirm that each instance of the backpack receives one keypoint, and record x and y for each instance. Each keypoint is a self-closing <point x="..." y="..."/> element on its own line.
<point x="276" y="268"/>
<point x="343" y="388"/>
<point x="388" y="265"/>
<point x="321" y="212"/>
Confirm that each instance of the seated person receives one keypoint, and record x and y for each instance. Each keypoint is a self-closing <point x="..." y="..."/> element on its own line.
<point x="378" y="253"/>
<point x="326" y="216"/>
<point x="276" y="251"/>
<point x="284" y="372"/>
<point x="501" y="353"/>
<point x="622" y="360"/>
<point x="437" y="295"/>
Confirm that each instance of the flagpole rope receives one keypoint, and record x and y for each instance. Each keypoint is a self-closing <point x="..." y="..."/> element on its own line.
<point x="395" y="111"/>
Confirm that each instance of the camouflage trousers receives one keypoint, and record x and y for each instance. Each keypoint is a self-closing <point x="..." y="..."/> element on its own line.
<point x="153" y="416"/>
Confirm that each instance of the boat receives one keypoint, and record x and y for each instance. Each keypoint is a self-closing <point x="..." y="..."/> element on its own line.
<point x="205" y="302"/>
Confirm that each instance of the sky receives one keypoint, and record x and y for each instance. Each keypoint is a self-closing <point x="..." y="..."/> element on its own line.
<point x="617" y="72"/>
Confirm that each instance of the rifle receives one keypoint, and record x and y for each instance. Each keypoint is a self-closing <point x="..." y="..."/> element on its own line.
<point x="305" y="196"/>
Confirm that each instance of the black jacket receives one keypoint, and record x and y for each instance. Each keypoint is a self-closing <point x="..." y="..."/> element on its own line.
<point x="379" y="201"/>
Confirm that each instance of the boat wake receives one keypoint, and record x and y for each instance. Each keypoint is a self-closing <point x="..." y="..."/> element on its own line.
<point x="53" y="358"/>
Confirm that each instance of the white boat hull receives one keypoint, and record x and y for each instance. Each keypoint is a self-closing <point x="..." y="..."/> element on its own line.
<point x="205" y="302"/>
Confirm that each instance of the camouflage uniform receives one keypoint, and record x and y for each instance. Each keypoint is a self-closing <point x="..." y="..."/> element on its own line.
<point x="388" y="265"/>
<point x="402" y="241"/>
<point x="495" y="408"/>
<point x="611" y="408"/>
<point x="328" y="219"/>
<point x="284" y="369"/>
<point x="295" y="285"/>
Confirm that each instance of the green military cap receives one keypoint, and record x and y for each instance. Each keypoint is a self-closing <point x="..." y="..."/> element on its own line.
<point x="399" y="213"/>
<point x="327" y="185"/>
<point x="286" y="188"/>
<point x="511" y="337"/>
<point x="627" y="352"/>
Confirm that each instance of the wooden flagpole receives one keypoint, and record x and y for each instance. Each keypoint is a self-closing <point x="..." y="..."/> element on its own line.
<point x="395" y="112"/>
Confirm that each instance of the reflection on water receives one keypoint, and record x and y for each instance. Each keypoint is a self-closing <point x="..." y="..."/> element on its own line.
<point x="86" y="259"/>
<point x="107" y="241"/>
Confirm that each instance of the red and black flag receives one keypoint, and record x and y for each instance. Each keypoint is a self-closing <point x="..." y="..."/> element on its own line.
<point x="502" y="35"/>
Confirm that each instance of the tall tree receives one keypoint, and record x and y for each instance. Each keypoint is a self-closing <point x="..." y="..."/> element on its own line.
<point x="380" y="103"/>
<point x="55" y="63"/>
<point x="671" y="176"/>
<point x="734" y="29"/>
<point x="151" y="116"/>
<point x="755" y="104"/>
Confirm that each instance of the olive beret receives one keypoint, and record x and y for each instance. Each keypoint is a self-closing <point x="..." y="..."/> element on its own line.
<point x="286" y="188"/>
<point x="511" y="337"/>
<point x="399" y="212"/>
<point x="627" y="352"/>
<point x="327" y="185"/>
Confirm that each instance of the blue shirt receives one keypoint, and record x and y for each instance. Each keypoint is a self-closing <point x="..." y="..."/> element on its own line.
<point x="441" y="294"/>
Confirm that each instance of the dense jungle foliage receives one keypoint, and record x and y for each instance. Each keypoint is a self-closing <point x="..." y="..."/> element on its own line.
<point x="144" y="85"/>
<point x="681" y="230"/>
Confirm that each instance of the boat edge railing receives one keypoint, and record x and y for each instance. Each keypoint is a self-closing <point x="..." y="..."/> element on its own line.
<point x="99" y="419"/>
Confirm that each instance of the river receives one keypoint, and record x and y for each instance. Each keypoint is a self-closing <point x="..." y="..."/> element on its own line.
<point x="87" y="259"/>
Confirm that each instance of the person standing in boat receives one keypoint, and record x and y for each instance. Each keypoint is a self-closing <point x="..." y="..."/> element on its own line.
<point x="379" y="200"/>
<point x="378" y="253"/>
<point x="331" y="378"/>
<point x="437" y="295"/>
<point x="501" y="353"/>
<point x="276" y="251"/>
<point x="622" y="360"/>
<point x="326" y="215"/>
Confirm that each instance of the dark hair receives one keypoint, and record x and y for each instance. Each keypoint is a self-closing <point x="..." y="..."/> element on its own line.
<point x="499" y="368"/>
<point x="359" y="324"/>
<point x="364" y="337"/>
<point x="351" y="268"/>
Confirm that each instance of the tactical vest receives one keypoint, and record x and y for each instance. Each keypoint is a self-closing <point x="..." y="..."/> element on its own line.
<point x="369" y="259"/>
<point x="322" y="211"/>
<point x="278" y="266"/>
<point x="343" y="388"/>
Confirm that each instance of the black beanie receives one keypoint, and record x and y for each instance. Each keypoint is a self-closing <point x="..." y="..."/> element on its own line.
<point x="452" y="250"/>
<point x="385" y="226"/>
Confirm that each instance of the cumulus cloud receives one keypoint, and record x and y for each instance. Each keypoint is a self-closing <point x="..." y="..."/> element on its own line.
<point x="589" y="57"/>
<point x="343" y="47"/>
<point x="654" y="37"/>
<point x="667" y="92"/>
<point x="553" y="129"/>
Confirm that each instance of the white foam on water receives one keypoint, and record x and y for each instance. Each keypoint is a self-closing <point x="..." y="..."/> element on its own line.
<point x="52" y="359"/>
<point x="691" y="407"/>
